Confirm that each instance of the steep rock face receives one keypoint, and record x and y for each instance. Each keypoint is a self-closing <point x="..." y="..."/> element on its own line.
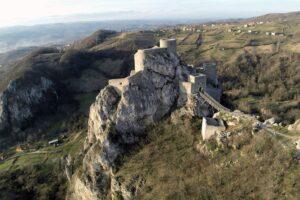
<point x="3" y="113"/>
<point x="118" y="119"/>
<point x="21" y="101"/>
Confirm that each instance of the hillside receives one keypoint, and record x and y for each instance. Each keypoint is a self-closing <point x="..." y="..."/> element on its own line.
<point x="277" y="17"/>
<point x="178" y="164"/>
<point x="75" y="76"/>
<point x="141" y="136"/>
<point x="259" y="72"/>
<point x="13" y="56"/>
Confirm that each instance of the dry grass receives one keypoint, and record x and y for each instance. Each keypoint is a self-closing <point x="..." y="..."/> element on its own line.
<point x="261" y="49"/>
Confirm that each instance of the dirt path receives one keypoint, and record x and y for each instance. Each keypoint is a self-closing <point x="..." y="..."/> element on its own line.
<point x="30" y="153"/>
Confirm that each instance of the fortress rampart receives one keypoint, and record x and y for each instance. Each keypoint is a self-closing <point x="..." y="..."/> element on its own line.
<point x="198" y="79"/>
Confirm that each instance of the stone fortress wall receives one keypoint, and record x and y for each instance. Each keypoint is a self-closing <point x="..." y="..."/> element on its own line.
<point x="202" y="79"/>
<point x="198" y="79"/>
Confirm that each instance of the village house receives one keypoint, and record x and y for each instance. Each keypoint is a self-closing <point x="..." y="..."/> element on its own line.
<point x="277" y="34"/>
<point x="54" y="142"/>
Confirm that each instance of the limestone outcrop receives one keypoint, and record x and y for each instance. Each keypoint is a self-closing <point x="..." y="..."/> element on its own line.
<point x="21" y="102"/>
<point x="122" y="112"/>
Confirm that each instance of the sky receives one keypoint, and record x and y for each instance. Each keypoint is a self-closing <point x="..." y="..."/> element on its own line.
<point x="27" y="12"/>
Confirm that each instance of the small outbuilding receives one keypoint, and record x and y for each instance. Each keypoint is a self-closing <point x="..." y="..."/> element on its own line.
<point x="54" y="142"/>
<point x="211" y="127"/>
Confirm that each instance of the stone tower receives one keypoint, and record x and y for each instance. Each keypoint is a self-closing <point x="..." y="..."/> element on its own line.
<point x="170" y="44"/>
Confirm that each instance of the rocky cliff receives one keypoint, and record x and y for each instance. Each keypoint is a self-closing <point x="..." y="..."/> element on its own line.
<point x="119" y="119"/>
<point x="49" y="80"/>
<point x="20" y="103"/>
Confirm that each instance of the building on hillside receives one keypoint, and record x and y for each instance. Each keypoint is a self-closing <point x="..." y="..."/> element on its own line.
<point x="190" y="29"/>
<point x="211" y="127"/>
<point x="278" y="34"/>
<point x="54" y="142"/>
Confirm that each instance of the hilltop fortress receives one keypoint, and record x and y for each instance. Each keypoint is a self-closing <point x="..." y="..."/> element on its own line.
<point x="196" y="79"/>
<point x="159" y="86"/>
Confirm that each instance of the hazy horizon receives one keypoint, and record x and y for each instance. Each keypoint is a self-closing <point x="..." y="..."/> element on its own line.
<point x="30" y="12"/>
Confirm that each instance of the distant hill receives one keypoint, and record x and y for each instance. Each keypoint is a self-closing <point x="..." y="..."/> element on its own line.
<point x="15" y="55"/>
<point x="12" y="38"/>
<point x="276" y="16"/>
<point x="93" y="40"/>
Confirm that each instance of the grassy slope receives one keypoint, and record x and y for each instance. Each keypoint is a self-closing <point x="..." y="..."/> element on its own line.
<point x="172" y="168"/>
